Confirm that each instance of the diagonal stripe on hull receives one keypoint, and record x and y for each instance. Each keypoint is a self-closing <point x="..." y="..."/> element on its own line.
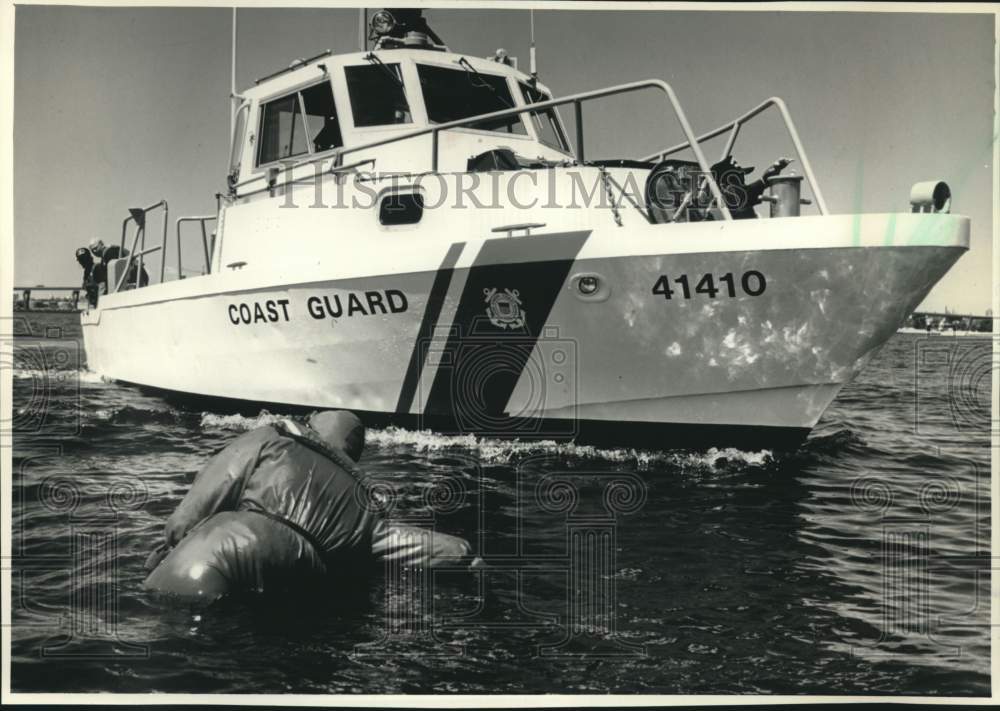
<point x="502" y="312"/>
<point x="432" y="312"/>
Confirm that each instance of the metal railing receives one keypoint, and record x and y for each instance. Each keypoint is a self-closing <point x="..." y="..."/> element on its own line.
<point x="271" y="177"/>
<point x="138" y="216"/>
<point x="575" y="99"/>
<point x="26" y="291"/>
<point x="138" y="252"/>
<point x="201" y="219"/>
<point x="734" y="128"/>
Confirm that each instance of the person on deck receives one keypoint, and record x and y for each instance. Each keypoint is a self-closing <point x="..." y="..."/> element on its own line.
<point x="90" y="285"/>
<point x="284" y="506"/>
<point x="106" y="255"/>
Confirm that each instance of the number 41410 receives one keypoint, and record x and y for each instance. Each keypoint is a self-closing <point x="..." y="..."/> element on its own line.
<point x="751" y="283"/>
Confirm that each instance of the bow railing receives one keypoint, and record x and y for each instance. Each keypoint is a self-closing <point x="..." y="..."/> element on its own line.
<point x="734" y="127"/>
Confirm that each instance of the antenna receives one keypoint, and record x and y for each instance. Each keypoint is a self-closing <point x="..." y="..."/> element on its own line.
<point x="531" y="52"/>
<point x="233" y="98"/>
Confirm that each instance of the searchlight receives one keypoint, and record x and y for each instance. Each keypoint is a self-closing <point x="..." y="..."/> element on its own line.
<point x="930" y="196"/>
<point x="382" y="23"/>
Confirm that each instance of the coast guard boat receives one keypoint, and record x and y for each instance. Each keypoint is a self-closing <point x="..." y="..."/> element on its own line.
<point x="412" y="234"/>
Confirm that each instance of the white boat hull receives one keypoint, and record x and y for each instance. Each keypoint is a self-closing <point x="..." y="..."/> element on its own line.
<point x="424" y="346"/>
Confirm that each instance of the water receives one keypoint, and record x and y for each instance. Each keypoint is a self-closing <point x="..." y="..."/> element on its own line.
<point x="857" y="565"/>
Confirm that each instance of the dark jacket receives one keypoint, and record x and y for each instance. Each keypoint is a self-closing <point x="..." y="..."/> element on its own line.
<point x="293" y="478"/>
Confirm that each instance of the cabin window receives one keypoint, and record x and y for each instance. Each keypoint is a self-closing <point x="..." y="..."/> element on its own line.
<point x="377" y="95"/>
<point x="546" y="121"/>
<point x="401" y="208"/>
<point x="321" y="118"/>
<point x="282" y="133"/>
<point x="453" y="94"/>
<point x="301" y="123"/>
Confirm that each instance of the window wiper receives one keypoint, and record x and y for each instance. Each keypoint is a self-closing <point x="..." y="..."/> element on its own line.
<point x="482" y="83"/>
<point x="395" y="77"/>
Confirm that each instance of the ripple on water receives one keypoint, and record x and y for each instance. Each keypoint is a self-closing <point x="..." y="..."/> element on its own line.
<point x="745" y="572"/>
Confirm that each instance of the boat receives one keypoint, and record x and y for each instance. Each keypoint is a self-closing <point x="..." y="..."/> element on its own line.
<point x="414" y="234"/>
<point x="929" y="324"/>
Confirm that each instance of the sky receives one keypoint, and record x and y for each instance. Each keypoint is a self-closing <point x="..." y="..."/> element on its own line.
<point x="118" y="107"/>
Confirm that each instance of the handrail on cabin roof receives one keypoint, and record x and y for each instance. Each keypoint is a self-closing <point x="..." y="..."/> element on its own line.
<point x="295" y="64"/>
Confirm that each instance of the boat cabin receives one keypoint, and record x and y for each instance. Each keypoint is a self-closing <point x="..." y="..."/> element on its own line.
<point x="322" y="107"/>
<point x="409" y="108"/>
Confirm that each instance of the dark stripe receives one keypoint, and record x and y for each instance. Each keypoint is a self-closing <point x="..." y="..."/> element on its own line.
<point x="482" y="362"/>
<point x="432" y="311"/>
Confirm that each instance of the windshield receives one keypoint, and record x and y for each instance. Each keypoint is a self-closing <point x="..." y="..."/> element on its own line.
<point x="453" y="94"/>
<point x="377" y="96"/>
<point x="546" y="120"/>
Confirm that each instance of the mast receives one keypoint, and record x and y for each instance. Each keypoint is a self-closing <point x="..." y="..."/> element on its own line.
<point x="233" y="99"/>
<point x="533" y="68"/>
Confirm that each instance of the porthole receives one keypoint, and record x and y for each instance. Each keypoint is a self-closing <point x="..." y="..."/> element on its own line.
<point x="401" y="208"/>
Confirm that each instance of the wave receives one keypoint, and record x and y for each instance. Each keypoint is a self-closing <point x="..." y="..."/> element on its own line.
<point x="56" y="374"/>
<point x="496" y="450"/>
<point x="238" y="423"/>
<point x="129" y="414"/>
<point x="837" y="441"/>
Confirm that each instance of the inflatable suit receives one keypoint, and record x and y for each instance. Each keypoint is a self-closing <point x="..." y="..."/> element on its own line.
<point x="281" y="507"/>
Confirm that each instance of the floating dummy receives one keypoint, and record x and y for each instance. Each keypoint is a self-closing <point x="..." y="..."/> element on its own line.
<point x="284" y="506"/>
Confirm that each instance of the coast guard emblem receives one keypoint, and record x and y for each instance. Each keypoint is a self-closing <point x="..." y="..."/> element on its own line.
<point x="504" y="308"/>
